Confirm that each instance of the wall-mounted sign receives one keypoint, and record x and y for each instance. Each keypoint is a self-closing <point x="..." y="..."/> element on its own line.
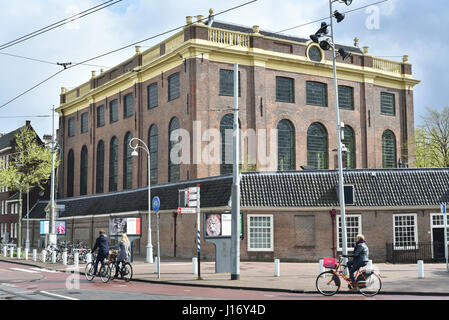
<point x="60" y="227"/>
<point x="218" y="224"/>
<point x="130" y="226"/>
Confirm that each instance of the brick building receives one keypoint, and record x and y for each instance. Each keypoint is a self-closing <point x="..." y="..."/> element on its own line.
<point x="185" y="82"/>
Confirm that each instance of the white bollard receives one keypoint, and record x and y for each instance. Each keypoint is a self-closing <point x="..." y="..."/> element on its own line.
<point x="5" y="253"/>
<point x="157" y="264"/>
<point x="322" y="269"/>
<point x="76" y="259"/>
<point x="26" y="253"/>
<point x="34" y="255"/>
<point x="53" y="257"/>
<point x="89" y="258"/>
<point x="277" y="268"/>
<point x="195" y="265"/>
<point x="44" y="255"/>
<point x="19" y="252"/>
<point x="64" y="258"/>
<point x="11" y="252"/>
<point x="420" y="269"/>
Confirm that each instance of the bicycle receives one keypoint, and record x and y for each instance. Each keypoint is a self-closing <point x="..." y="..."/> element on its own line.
<point x="125" y="272"/>
<point x="104" y="271"/>
<point x="328" y="282"/>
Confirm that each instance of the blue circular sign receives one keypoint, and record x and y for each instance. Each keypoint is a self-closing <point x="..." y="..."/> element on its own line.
<point x="156" y="203"/>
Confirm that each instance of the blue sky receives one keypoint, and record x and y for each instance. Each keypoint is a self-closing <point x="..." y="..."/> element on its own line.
<point x="411" y="27"/>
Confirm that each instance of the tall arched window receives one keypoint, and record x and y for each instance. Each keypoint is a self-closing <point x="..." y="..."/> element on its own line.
<point x="226" y="133"/>
<point x="83" y="171"/>
<point x="152" y="145"/>
<point x="317" y="146"/>
<point x="127" y="163"/>
<point x="100" y="168"/>
<point x="173" y="168"/>
<point x="388" y="149"/>
<point x="70" y="173"/>
<point x="113" y="164"/>
<point x="349" y="142"/>
<point x="286" y="145"/>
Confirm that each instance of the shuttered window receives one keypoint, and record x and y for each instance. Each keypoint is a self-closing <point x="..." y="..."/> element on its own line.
<point x="173" y="168"/>
<point x="316" y="93"/>
<point x="70" y="173"/>
<point x="349" y="142"/>
<point x="346" y="97"/>
<point x="387" y="103"/>
<point x="226" y="133"/>
<point x="286" y="146"/>
<point x="152" y="95"/>
<point x="227" y="82"/>
<point x="83" y="171"/>
<point x="84" y="122"/>
<point x="113" y="164"/>
<point x="285" y="91"/>
<point x="113" y="111"/>
<point x="388" y="150"/>
<point x="317" y="155"/>
<point x="100" y="168"/>
<point x="128" y="105"/>
<point x="100" y="116"/>
<point x="71" y="127"/>
<point x="173" y="86"/>
<point x="127" y="163"/>
<point x="152" y="144"/>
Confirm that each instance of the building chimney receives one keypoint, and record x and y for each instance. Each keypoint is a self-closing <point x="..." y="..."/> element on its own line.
<point x="27" y="123"/>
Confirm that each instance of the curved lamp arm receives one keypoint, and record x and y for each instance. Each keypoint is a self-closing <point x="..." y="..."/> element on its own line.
<point x="137" y="146"/>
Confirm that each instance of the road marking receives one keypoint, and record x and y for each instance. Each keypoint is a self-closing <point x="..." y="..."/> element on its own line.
<point x="58" y="295"/>
<point x="23" y="270"/>
<point x="8" y="285"/>
<point x="44" y="270"/>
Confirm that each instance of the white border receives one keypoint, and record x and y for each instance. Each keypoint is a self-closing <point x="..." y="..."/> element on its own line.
<point x="338" y="234"/>
<point x="415" y="226"/>
<point x="271" y="233"/>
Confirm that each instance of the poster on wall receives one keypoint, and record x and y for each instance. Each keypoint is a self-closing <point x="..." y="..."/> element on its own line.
<point x="130" y="226"/>
<point x="60" y="227"/>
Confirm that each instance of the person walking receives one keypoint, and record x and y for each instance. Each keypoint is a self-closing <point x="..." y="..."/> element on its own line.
<point x="103" y="249"/>
<point x="123" y="253"/>
<point x="360" y="257"/>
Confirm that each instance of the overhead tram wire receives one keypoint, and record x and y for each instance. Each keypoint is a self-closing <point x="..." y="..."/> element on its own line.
<point x="58" y="24"/>
<point x="113" y="51"/>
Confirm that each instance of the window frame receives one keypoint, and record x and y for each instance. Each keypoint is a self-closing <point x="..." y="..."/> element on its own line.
<point x="113" y="110"/>
<point x="222" y="90"/>
<point x="291" y="148"/>
<point x="149" y="87"/>
<point x="291" y="82"/>
<point x="71" y="131"/>
<point x="325" y="95"/>
<point x="126" y="108"/>
<point x="382" y="112"/>
<point x="154" y="152"/>
<point x="339" y="233"/>
<point x="271" y="233"/>
<point x="395" y="150"/>
<point x="84" y="175"/>
<point x="113" y="165"/>
<point x="415" y="226"/>
<point x="101" y="116"/>
<point x="326" y="152"/>
<point x="99" y="167"/>
<point x="172" y="95"/>
<point x="84" y="127"/>
<point x="352" y="102"/>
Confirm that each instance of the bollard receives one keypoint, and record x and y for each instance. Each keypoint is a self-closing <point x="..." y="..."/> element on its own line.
<point x="322" y="269"/>
<point x="420" y="269"/>
<point x="44" y="255"/>
<point x="11" y="252"/>
<point x="195" y="265"/>
<point x="89" y="258"/>
<point x="76" y="259"/>
<point x="64" y="258"/>
<point x="277" y="268"/>
<point x="157" y="264"/>
<point x="53" y="257"/>
<point x="26" y="253"/>
<point x="19" y="252"/>
<point x="34" y="255"/>
<point x="5" y="251"/>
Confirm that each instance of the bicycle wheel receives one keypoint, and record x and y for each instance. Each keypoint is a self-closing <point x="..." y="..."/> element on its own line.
<point x="328" y="283"/>
<point x="371" y="286"/>
<point x="127" y="272"/>
<point x="89" y="271"/>
<point x="105" y="273"/>
<point x="112" y="270"/>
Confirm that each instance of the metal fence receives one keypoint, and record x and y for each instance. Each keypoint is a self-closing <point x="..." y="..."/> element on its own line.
<point x="426" y="251"/>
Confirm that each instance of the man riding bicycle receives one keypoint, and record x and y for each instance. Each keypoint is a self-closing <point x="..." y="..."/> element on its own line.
<point x="103" y="249"/>
<point x="360" y="258"/>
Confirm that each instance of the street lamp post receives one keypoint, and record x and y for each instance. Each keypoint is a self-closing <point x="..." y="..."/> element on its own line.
<point x="149" y="257"/>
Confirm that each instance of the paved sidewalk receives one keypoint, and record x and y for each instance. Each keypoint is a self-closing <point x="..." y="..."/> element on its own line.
<point x="294" y="277"/>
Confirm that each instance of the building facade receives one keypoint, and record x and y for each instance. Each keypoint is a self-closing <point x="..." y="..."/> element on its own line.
<point x="286" y="100"/>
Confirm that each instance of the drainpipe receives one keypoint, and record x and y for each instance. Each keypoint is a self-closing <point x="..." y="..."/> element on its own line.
<point x="174" y="233"/>
<point x="333" y="214"/>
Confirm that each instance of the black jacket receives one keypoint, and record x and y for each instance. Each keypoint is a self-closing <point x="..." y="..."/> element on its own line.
<point x="102" y="244"/>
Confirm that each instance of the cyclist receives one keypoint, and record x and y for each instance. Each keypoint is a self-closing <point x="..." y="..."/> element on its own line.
<point x="123" y="254"/>
<point x="103" y="248"/>
<point x="360" y="258"/>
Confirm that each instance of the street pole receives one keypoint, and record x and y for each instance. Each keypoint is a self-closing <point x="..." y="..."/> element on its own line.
<point x="198" y="223"/>
<point x="235" y="233"/>
<point x="52" y="236"/>
<point x="445" y="236"/>
<point x="27" y="242"/>
<point x="341" y="195"/>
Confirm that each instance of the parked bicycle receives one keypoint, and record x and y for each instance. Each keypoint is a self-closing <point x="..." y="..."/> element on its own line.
<point x="328" y="282"/>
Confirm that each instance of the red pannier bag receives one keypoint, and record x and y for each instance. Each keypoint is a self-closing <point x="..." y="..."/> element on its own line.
<point x="330" y="263"/>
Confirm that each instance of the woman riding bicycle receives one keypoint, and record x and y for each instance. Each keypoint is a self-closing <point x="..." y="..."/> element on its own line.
<point x="360" y="258"/>
<point x="123" y="254"/>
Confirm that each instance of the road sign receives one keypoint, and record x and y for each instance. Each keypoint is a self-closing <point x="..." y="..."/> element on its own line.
<point x="193" y="196"/>
<point x="194" y="190"/>
<point x="193" y="203"/>
<point x="443" y="208"/>
<point x="156" y="203"/>
<point x="187" y="210"/>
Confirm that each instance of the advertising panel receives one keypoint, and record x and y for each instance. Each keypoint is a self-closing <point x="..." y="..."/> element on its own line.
<point x="130" y="226"/>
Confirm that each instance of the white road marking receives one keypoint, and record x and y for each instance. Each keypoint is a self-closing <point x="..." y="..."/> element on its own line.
<point x="23" y="270"/>
<point x="59" y="296"/>
<point x="44" y="270"/>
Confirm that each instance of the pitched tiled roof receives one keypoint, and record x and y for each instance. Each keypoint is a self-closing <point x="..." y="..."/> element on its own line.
<point x="7" y="139"/>
<point x="307" y="189"/>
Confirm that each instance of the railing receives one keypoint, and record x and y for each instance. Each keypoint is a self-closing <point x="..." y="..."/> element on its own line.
<point x="387" y="65"/>
<point x="228" y="38"/>
<point x="426" y="251"/>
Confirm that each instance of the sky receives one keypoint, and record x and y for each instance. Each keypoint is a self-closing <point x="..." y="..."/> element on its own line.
<point x="391" y="29"/>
